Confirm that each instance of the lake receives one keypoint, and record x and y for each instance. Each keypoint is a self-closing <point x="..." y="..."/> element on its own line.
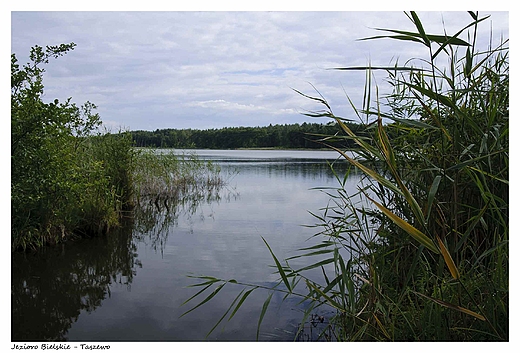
<point x="130" y="285"/>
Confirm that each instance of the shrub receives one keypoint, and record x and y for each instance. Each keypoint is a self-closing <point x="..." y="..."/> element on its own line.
<point x="64" y="180"/>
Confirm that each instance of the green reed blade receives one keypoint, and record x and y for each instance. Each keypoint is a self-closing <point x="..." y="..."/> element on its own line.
<point x="244" y="297"/>
<point x="435" y="96"/>
<point x="315" y="265"/>
<point x="416" y="37"/>
<point x="419" y="26"/>
<point x="314" y="253"/>
<point x="431" y="194"/>
<point x="329" y="300"/>
<point x="225" y="314"/>
<point x="385" y="68"/>
<point x="369" y="171"/>
<point x="206" y="299"/>
<point x="199" y="292"/>
<point x="388" y="152"/>
<point x="262" y="313"/>
<point x="279" y="266"/>
<point x="408" y="228"/>
<point x="453" y="306"/>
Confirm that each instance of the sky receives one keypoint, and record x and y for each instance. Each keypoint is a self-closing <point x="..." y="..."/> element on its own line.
<point x="148" y="70"/>
<point x="213" y="66"/>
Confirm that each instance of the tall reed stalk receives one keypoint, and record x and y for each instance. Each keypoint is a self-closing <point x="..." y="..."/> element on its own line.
<point x="420" y="251"/>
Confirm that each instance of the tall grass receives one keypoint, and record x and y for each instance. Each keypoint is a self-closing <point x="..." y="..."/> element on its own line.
<point x="168" y="184"/>
<point x="420" y="251"/>
<point x="162" y="177"/>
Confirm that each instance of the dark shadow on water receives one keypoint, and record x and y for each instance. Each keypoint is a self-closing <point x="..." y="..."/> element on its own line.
<point x="50" y="288"/>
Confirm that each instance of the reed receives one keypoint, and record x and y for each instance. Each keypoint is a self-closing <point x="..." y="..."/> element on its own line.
<point x="163" y="177"/>
<point x="420" y="251"/>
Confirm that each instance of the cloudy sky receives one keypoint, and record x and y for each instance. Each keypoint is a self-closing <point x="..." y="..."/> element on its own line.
<point x="210" y="69"/>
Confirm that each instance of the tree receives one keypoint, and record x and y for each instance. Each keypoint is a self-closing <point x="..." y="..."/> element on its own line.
<point x="48" y="180"/>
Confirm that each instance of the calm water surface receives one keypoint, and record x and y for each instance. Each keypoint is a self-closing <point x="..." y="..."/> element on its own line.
<point x="130" y="285"/>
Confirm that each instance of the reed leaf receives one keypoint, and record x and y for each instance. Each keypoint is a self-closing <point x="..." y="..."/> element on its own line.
<point x="392" y="164"/>
<point x="417" y="37"/>
<point x="262" y="314"/>
<point x="314" y="253"/>
<point x="408" y="228"/>
<point x="431" y="194"/>
<point x="474" y="221"/>
<point x="381" y="327"/>
<point x="328" y="299"/>
<point x="281" y="271"/>
<point x="385" y="68"/>
<point x="453" y="40"/>
<point x="419" y="26"/>
<point x="438" y="97"/>
<point x="452" y="306"/>
<point x="315" y="265"/>
<point x="208" y="298"/>
<point x="242" y="300"/>
<point x="369" y="172"/>
<point x="359" y="140"/>
<point x="448" y="259"/>
<point x="225" y="314"/>
<point x="472" y="161"/>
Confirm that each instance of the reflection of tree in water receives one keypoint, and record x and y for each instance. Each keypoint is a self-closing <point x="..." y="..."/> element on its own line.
<point x="51" y="287"/>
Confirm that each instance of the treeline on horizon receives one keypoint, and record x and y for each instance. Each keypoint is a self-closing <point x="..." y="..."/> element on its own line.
<point x="295" y="135"/>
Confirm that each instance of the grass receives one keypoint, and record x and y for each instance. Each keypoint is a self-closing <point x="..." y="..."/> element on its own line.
<point x="162" y="177"/>
<point x="167" y="185"/>
<point x="420" y="252"/>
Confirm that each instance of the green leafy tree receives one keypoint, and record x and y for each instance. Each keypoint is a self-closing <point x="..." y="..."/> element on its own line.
<point x="51" y="173"/>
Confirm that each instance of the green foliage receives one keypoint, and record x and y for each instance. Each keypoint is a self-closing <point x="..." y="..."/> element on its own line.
<point x="420" y="251"/>
<point x="64" y="180"/>
<point x="279" y="136"/>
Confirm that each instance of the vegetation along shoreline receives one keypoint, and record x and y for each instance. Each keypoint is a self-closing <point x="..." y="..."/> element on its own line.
<point x="418" y="252"/>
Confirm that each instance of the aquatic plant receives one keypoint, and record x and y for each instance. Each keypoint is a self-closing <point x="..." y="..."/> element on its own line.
<point x="167" y="184"/>
<point x="420" y="251"/>
<point x="165" y="176"/>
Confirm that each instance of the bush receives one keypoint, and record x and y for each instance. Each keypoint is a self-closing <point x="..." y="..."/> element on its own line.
<point x="64" y="180"/>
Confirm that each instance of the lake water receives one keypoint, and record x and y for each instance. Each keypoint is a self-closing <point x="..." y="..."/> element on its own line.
<point x="130" y="285"/>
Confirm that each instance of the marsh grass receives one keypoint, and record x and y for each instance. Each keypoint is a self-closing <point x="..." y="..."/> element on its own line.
<point x="167" y="186"/>
<point x="420" y="251"/>
<point x="164" y="178"/>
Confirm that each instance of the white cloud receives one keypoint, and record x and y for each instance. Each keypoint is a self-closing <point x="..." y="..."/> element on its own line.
<point x="149" y="70"/>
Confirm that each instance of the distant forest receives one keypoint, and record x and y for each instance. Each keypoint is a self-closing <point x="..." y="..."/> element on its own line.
<point x="274" y="136"/>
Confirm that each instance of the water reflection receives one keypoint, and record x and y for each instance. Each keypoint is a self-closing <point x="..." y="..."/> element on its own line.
<point x="50" y="288"/>
<point x="153" y="220"/>
<point x="139" y="272"/>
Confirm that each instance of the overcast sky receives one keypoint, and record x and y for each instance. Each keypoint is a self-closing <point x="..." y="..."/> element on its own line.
<point x="155" y="70"/>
